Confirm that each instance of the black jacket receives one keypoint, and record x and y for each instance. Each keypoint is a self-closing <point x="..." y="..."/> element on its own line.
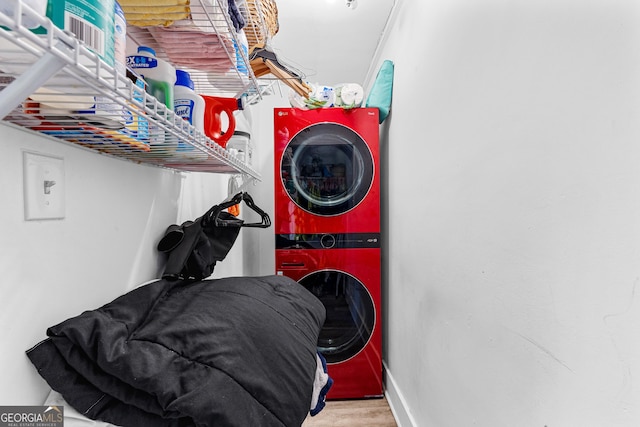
<point x="227" y="352"/>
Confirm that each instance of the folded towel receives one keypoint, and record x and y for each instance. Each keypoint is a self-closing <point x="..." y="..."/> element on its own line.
<point x="150" y="22"/>
<point x="148" y="13"/>
<point x="321" y="385"/>
<point x="156" y="10"/>
<point x="206" y="51"/>
<point x="206" y="17"/>
<point x="146" y="16"/>
<point x="153" y="3"/>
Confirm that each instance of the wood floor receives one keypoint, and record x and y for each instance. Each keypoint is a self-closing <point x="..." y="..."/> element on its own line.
<point x="353" y="413"/>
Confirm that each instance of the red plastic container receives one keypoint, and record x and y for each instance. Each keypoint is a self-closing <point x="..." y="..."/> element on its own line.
<point x="215" y="111"/>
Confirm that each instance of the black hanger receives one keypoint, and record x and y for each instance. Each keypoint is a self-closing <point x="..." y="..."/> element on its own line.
<point x="266" y="221"/>
<point x="214" y="215"/>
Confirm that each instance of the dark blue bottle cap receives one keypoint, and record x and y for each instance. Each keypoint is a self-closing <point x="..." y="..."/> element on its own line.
<point x="184" y="79"/>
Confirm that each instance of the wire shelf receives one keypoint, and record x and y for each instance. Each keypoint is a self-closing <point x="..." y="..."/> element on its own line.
<point x="218" y="70"/>
<point x="55" y="85"/>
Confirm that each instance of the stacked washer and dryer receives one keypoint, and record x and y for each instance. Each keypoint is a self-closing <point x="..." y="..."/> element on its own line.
<point x="327" y="225"/>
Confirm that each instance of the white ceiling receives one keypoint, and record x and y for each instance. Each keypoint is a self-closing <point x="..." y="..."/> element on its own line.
<point x="326" y="41"/>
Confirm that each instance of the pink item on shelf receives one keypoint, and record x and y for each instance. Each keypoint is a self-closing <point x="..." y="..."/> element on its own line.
<point x="205" y="52"/>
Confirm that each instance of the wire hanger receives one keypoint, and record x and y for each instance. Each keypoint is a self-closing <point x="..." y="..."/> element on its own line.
<point x="219" y="222"/>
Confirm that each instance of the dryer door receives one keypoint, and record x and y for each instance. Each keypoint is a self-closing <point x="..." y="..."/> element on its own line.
<point x="350" y="313"/>
<point x="327" y="169"/>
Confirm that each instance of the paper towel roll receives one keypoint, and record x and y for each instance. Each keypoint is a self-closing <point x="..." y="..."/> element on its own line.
<point x="349" y="95"/>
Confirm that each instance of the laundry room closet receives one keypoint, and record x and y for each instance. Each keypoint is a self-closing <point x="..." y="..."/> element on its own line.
<point x="508" y="183"/>
<point x="100" y="172"/>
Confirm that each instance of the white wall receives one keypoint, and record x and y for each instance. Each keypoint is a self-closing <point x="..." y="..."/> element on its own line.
<point x="513" y="213"/>
<point x="51" y="270"/>
<point x="259" y="248"/>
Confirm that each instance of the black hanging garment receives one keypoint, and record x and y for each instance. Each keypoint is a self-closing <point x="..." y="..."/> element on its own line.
<point x="194" y="247"/>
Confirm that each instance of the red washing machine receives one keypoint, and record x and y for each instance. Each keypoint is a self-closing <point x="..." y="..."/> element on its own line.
<point x="327" y="170"/>
<point x="347" y="281"/>
<point x="327" y="224"/>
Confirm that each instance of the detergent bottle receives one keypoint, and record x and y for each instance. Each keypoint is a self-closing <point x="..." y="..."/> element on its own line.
<point x="190" y="106"/>
<point x="159" y="75"/>
<point x="219" y="121"/>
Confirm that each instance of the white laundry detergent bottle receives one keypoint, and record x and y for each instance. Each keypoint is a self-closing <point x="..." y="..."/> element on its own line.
<point x="190" y="106"/>
<point x="159" y="75"/>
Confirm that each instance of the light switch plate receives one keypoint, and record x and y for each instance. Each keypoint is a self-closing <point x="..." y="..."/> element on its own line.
<point x="44" y="186"/>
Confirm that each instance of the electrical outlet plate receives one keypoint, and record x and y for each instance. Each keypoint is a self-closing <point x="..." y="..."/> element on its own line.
<point x="44" y="186"/>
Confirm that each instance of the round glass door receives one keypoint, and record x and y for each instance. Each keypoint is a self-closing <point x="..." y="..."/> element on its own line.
<point x="350" y="313"/>
<point x="327" y="169"/>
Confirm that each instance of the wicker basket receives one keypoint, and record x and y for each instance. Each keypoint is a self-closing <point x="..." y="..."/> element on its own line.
<point x="262" y="24"/>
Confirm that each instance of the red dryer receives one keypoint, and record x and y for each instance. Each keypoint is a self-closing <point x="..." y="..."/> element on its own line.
<point x="327" y="222"/>
<point x="327" y="170"/>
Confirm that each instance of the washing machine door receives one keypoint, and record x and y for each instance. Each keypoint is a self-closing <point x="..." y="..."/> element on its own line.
<point x="350" y="313"/>
<point x="327" y="169"/>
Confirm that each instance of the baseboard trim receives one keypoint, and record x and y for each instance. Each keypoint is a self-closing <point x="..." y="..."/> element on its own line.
<point x="397" y="402"/>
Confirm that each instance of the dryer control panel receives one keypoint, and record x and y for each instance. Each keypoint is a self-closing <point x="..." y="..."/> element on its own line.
<point x="328" y="241"/>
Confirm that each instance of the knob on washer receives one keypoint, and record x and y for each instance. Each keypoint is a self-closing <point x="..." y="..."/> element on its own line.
<point x="328" y="241"/>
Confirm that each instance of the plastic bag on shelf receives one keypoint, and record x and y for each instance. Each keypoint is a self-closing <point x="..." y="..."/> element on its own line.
<point x="349" y="95"/>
